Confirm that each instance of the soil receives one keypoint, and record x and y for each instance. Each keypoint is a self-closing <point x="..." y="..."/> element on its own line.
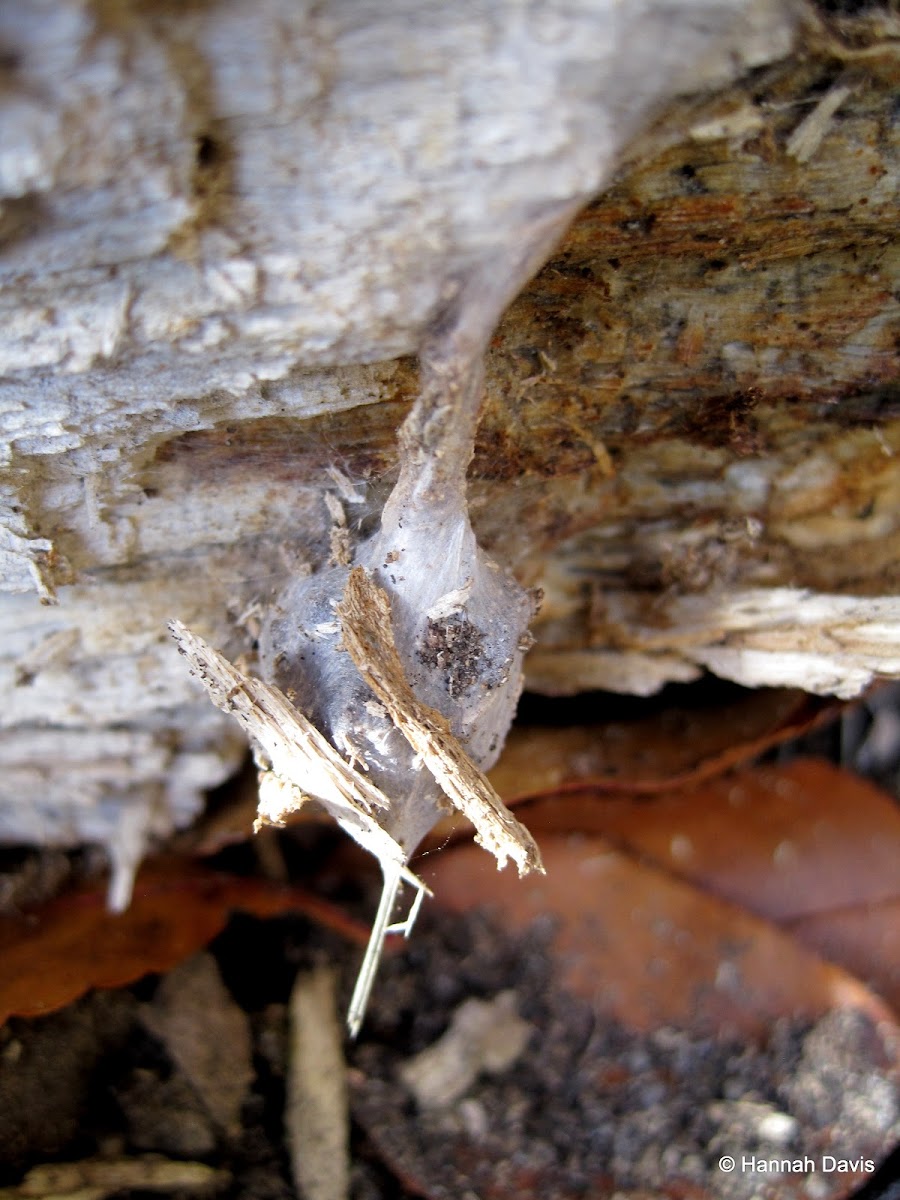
<point x="593" y="1107"/>
<point x="590" y="1108"/>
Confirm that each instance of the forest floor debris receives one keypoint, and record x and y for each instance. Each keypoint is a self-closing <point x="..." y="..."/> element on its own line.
<point x="585" y="1102"/>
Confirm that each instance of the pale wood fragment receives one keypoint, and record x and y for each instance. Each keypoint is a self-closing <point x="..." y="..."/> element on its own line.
<point x="207" y="1036"/>
<point x="807" y="137"/>
<point x="484" y="1036"/>
<point x="317" y="1118"/>
<point x="762" y="637"/>
<point x="96" y="1178"/>
<point x="297" y="762"/>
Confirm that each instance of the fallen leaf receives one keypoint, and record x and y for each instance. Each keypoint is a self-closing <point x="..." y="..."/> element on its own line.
<point x="865" y="941"/>
<point x="56" y="953"/>
<point x="673" y="748"/>
<point x="207" y="1037"/>
<point x="807" y="845"/>
<point x="650" y="950"/>
<point x="671" y="1029"/>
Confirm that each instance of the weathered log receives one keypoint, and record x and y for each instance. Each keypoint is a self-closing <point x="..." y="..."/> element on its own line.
<point x="227" y="227"/>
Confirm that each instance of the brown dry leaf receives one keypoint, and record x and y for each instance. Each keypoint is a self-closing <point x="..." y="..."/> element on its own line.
<point x="865" y="941"/>
<point x="206" y="1035"/>
<point x="650" y="950"/>
<point x="57" y="953"/>
<point x="807" y="845"/>
<point x="675" y="747"/>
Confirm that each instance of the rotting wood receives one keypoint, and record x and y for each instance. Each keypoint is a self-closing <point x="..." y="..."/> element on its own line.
<point x="694" y="399"/>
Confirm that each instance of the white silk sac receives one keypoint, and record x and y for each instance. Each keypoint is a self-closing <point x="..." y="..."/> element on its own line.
<point x="460" y="627"/>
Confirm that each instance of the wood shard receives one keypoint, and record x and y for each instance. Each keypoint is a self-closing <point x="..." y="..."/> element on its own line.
<point x="298" y="763"/>
<point x="317" y="1114"/>
<point x="207" y="1036"/>
<point x="94" y="1178"/>
<point x="365" y="615"/>
<point x="484" y="1036"/>
<point x="807" y="137"/>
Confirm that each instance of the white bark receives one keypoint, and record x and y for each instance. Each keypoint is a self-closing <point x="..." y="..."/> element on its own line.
<point x="764" y="637"/>
<point x="219" y="213"/>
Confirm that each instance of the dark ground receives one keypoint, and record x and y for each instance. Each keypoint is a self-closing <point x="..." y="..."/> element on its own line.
<point x="588" y="1108"/>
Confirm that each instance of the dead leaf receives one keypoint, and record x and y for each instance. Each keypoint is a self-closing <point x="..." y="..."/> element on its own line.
<point x="865" y="940"/>
<point x="650" y="950"/>
<point x="58" y="952"/>
<point x="672" y="1029"/>
<point x="807" y="845"/>
<point x="207" y="1037"/>
<point x="674" y="748"/>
